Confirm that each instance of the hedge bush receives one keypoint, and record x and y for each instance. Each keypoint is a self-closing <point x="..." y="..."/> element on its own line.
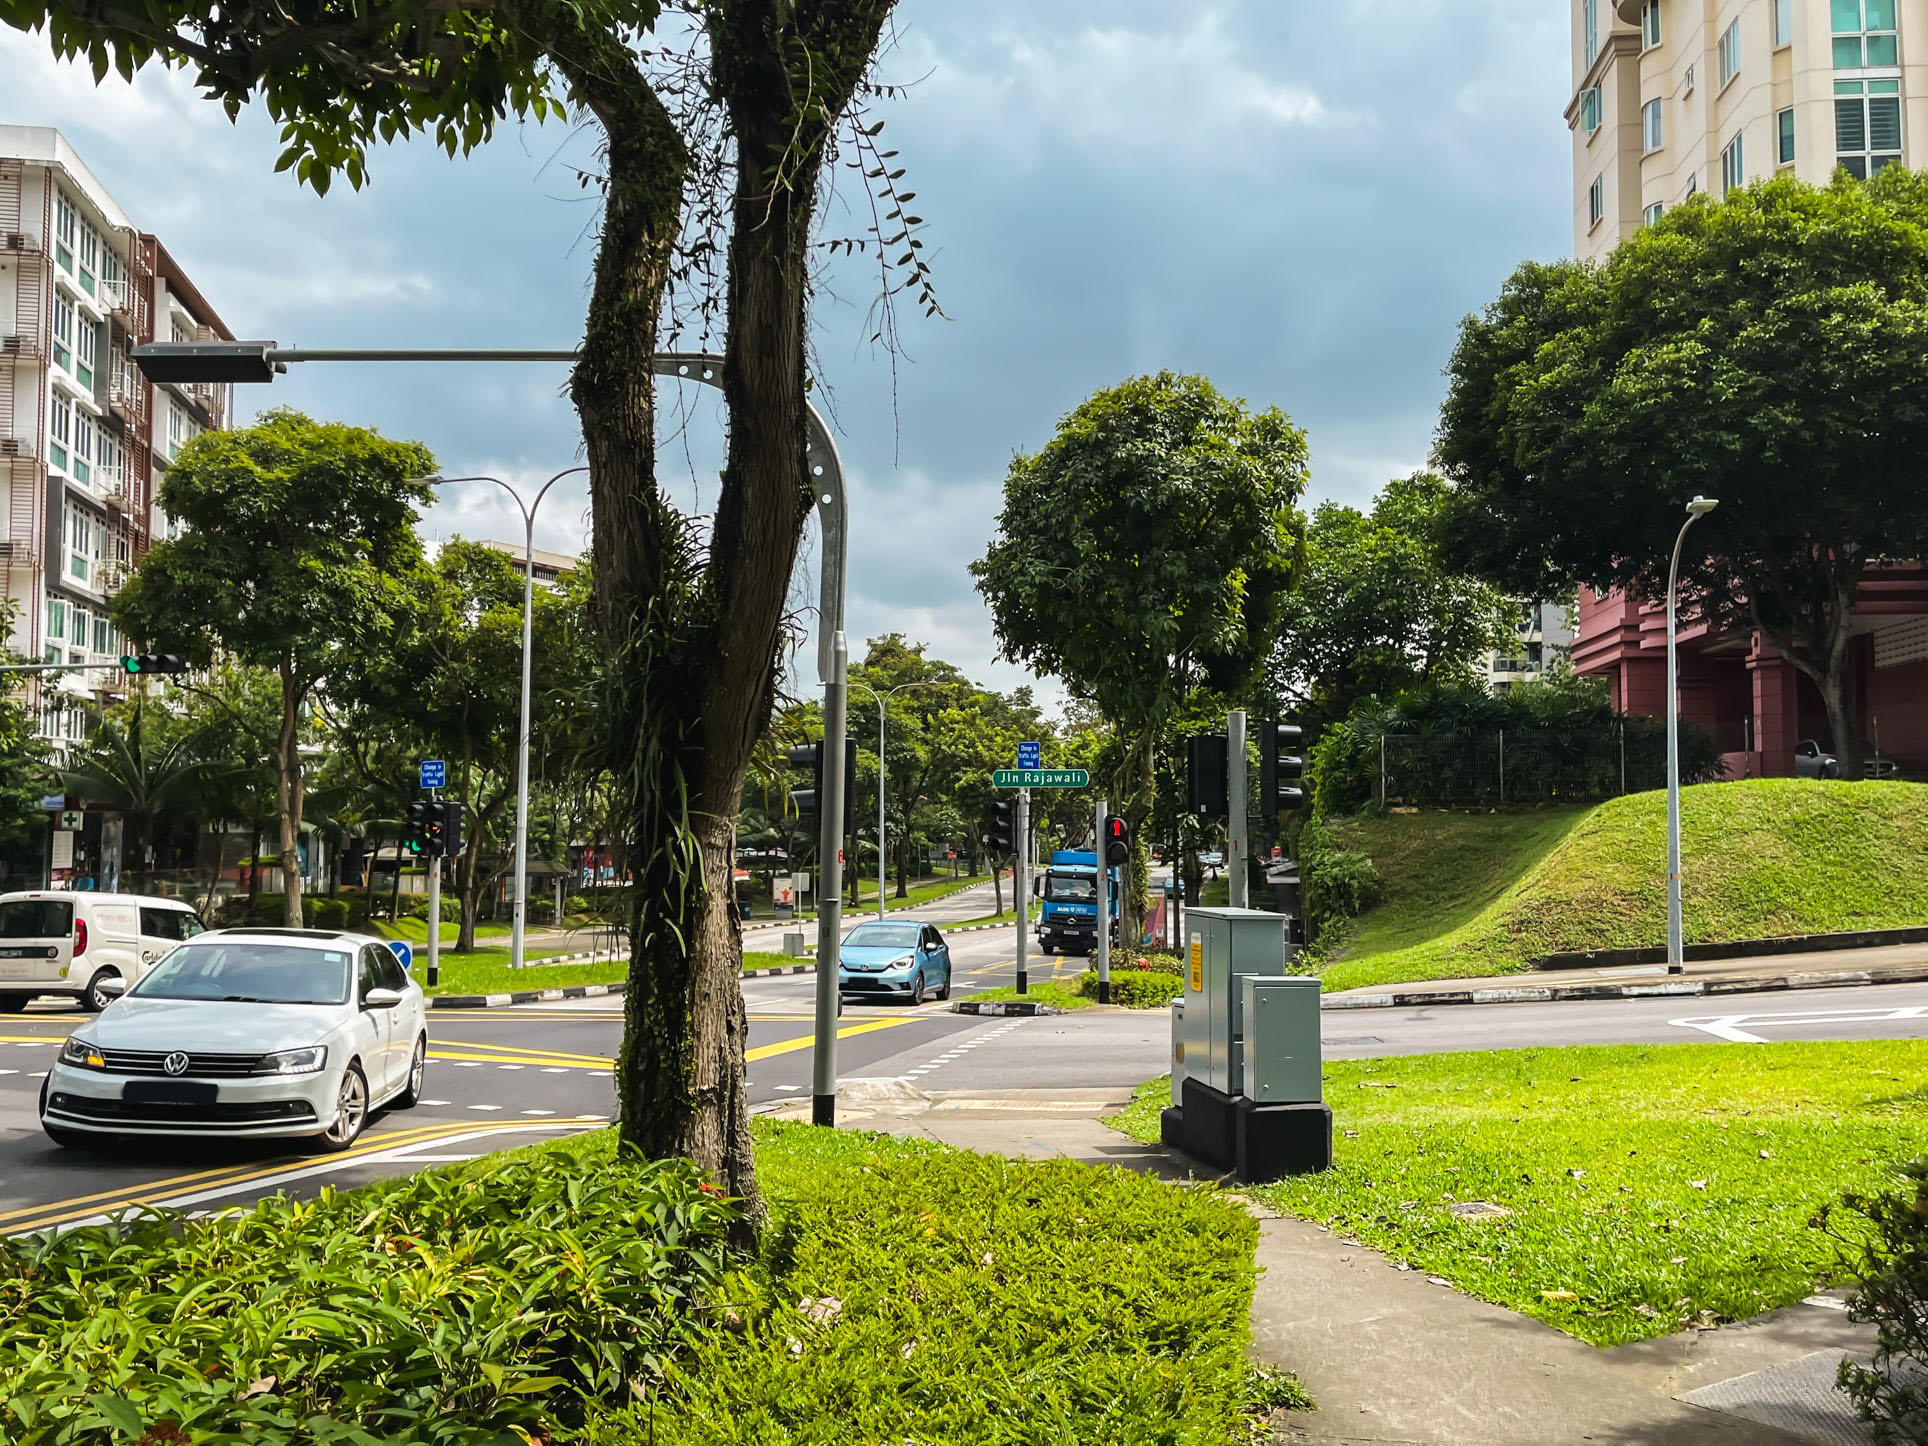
<point x="1891" y="1393"/>
<point x="454" y="1308"/>
<point x="1338" y="883"/>
<point x="1135" y="988"/>
<point x="325" y="913"/>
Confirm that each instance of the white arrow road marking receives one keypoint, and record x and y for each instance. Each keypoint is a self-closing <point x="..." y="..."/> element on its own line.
<point x="1728" y="1026"/>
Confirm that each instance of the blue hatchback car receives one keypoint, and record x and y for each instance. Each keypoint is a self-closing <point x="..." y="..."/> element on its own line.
<point x="902" y="957"/>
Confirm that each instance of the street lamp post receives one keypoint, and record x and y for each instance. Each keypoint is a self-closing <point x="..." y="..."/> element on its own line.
<point x="1676" y="964"/>
<point x="882" y="698"/>
<point x="519" y="908"/>
<point x="262" y="361"/>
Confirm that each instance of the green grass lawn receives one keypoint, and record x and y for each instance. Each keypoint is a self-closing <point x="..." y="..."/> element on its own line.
<point x="415" y="931"/>
<point x="487" y="971"/>
<point x="756" y="959"/>
<point x="1056" y="993"/>
<point x="1645" y="1185"/>
<point x="1475" y="895"/>
<point x="927" y="892"/>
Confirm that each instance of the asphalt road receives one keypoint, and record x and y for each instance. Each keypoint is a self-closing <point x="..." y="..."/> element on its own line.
<point x="502" y="1077"/>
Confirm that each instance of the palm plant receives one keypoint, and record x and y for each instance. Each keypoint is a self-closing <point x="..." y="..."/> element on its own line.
<point x="128" y="769"/>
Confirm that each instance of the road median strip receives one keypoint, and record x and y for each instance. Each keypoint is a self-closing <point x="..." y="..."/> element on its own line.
<point x="1576" y="993"/>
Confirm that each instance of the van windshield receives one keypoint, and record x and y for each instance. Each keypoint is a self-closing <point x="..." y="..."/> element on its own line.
<point x="36" y="919"/>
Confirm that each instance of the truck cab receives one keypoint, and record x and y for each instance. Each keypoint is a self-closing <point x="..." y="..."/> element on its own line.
<point x="1068" y="921"/>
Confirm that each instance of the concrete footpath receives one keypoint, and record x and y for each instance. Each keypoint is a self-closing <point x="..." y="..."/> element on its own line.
<point x="1826" y="969"/>
<point x="1391" y="1357"/>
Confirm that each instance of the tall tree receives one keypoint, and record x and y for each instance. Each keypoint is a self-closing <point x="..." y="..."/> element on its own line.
<point x="1769" y="349"/>
<point x="740" y="108"/>
<point x="139" y="770"/>
<point x="294" y="539"/>
<point x="1149" y="546"/>
<point x="1381" y="608"/>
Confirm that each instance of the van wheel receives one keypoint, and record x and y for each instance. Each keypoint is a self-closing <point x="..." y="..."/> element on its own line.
<point x="93" y="999"/>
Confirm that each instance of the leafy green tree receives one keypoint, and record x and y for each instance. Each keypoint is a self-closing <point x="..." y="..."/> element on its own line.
<point x="717" y="136"/>
<point x="295" y="539"/>
<point x="25" y="758"/>
<point x="1380" y="608"/>
<point x="1770" y="350"/>
<point x="1148" y="548"/>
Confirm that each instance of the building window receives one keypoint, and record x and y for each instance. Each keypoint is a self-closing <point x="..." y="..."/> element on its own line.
<point x="1730" y="52"/>
<point x="1650" y="24"/>
<point x="1732" y="173"/>
<point x="1590" y="109"/>
<point x="1784" y="137"/>
<point x="83" y="447"/>
<point x="1596" y="200"/>
<point x="66" y="225"/>
<point x="113" y="276"/>
<point x="60" y="431"/>
<point x="1864" y="34"/>
<point x="86" y="348"/>
<point x="63" y="331"/>
<point x="89" y="257"/>
<point x="1687" y="82"/>
<point x="1650" y="126"/>
<point x="56" y="621"/>
<point x="108" y="461"/>
<point x="1654" y="212"/>
<point x="80" y="545"/>
<point x="1783" y="23"/>
<point x="1867" y="125"/>
<point x="1693" y="184"/>
<point x="1590" y="11"/>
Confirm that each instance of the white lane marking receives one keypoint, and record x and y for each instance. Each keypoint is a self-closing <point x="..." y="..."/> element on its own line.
<point x="789" y="1087"/>
<point x="9" y="1071"/>
<point x="444" y="1159"/>
<point x="1729" y="1026"/>
<point x="508" y="1066"/>
<point x="485" y="1107"/>
<point x="466" y="1064"/>
<point x="555" y="1069"/>
<point x="434" y="1102"/>
<point x="538" y="1112"/>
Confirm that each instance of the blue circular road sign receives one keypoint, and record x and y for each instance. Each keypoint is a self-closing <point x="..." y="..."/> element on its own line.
<point x="402" y="952"/>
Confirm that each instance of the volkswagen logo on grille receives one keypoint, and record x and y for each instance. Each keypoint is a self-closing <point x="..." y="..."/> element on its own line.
<point x="175" y="1063"/>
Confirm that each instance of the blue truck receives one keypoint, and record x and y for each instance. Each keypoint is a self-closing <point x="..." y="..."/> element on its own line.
<point x="1069" y="888"/>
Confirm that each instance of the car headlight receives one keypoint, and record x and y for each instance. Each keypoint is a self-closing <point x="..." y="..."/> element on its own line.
<point x="81" y="1054"/>
<point x="293" y="1061"/>
<point x="903" y="961"/>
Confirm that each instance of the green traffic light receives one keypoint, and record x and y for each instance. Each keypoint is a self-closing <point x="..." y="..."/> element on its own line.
<point x="130" y="663"/>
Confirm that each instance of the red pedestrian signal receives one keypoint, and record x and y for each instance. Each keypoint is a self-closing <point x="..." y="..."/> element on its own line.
<point x="1117" y="840"/>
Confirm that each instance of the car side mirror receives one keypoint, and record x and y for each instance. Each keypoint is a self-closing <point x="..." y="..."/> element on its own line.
<point x="381" y="999"/>
<point x="113" y="986"/>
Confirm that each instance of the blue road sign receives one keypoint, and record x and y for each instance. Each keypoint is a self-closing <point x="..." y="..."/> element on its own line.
<point x="1030" y="755"/>
<point x="402" y="952"/>
<point x="435" y="773"/>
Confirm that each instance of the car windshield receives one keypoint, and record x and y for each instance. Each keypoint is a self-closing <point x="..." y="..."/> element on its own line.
<point x="883" y="936"/>
<point x="1070" y="889"/>
<point x="36" y="919"/>
<point x="238" y="973"/>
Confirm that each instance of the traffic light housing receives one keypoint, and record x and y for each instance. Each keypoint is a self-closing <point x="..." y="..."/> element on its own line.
<point x="415" y="828"/>
<point x="1117" y="841"/>
<point x="141" y="664"/>
<point x="1281" y="767"/>
<point x="807" y="759"/>
<point x="1205" y="760"/>
<point x="450" y="839"/>
<point x="1003" y="837"/>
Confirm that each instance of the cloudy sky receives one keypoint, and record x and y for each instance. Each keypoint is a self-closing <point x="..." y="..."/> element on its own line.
<point x="1296" y="200"/>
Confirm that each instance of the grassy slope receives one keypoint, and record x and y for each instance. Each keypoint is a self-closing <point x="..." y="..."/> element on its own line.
<point x="1650" y="1183"/>
<point x="1480" y="895"/>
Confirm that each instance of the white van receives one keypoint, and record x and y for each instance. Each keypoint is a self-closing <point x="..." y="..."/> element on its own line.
<point x="53" y="942"/>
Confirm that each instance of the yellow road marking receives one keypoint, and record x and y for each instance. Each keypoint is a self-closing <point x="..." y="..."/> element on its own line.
<point x="485" y="1055"/>
<point x="526" y="1051"/>
<point x="61" y="1212"/>
<point x="31" y="1038"/>
<point x="213" y="1175"/>
<point x="804" y="1041"/>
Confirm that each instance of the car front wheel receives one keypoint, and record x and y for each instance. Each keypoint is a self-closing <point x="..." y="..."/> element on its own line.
<point x="917" y="989"/>
<point x="351" y="1110"/>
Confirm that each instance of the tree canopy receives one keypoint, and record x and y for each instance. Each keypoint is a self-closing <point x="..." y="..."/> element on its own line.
<point x="1770" y="350"/>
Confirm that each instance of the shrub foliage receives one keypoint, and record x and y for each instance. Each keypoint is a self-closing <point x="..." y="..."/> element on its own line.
<point x="1891" y="1393"/>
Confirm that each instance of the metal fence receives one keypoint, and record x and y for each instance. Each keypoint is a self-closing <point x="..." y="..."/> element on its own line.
<point x="1493" y="768"/>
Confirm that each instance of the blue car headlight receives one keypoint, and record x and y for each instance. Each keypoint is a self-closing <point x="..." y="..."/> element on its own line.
<point x="902" y="965"/>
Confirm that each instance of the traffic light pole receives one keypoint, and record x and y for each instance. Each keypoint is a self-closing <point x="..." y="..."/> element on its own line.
<point x="1103" y="872"/>
<point x="1021" y="880"/>
<point x="823" y="1073"/>
<point x="1238" y="813"/>
<point x="434" y="920"/>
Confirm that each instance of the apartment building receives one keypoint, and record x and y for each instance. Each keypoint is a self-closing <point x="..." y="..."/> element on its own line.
<point x="1671" y="97"/>
<point x="1542" y="644"/>
<point x="84" y="436"/>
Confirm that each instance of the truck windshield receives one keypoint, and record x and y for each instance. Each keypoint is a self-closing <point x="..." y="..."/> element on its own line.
<point x="1070" y="889"/>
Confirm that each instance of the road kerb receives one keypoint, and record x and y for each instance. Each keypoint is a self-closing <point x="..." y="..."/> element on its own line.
<point x="1579" y="993"/>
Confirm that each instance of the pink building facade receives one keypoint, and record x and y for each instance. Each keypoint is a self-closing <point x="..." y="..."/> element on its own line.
<point x="1756" y="704"/>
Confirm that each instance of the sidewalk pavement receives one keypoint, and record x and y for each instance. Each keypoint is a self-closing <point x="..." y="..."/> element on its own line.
<point x="1828" y="969"/>
<point x="1392" y="1358"/>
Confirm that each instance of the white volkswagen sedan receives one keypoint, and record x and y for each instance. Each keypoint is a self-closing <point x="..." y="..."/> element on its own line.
<point x="250" y="1032"/>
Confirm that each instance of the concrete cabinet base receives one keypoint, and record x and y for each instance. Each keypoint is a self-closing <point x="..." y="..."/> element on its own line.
<point x="1255" y="1142"/>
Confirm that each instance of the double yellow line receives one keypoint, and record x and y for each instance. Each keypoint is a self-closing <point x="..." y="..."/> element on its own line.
<point x="156" y="1192"/>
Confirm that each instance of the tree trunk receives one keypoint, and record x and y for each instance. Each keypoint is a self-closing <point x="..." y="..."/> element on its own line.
<point x="1138" y="787"/>
<point x="254" y="870"/>
<point x="287" y="797"/>
<point x="470" y="890"/>
<point x="1824" y="659"/>
<point x="903" y="855"/>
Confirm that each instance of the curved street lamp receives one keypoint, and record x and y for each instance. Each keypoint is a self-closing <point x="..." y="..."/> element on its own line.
<point x="1676" y="953"/>
<point x="882" y="698"/>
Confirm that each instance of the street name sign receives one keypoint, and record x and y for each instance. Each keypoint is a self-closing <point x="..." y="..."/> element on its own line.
<point x="1040" y="778"/>
<point x="435" y="773"/>
<point x="1030" y="755"/>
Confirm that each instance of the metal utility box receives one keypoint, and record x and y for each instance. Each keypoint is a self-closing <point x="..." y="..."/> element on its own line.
<point x="1284" y="1061"/>
<point x="1178" y="1051"/>
<point x="1222" y="946"/>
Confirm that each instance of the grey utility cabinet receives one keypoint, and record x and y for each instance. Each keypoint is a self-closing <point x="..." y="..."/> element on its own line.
<point x="1284" y="1057"/>
<point x="1222" y="946"/>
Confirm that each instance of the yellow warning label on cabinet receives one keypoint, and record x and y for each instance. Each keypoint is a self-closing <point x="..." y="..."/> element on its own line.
<point x="1198" y="963"/>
